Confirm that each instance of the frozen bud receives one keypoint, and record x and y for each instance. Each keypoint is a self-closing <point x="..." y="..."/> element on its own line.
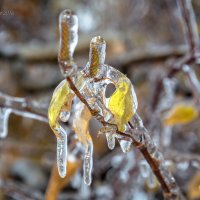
<point x="68" y="27"/>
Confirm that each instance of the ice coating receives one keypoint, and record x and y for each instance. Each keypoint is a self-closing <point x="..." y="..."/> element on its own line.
<point x="144" y="169"/>
<point x="110" y="140"/>
<point x="68" y="27"/>
<point x="62" y="152"/>
<point x="125" y="145"/>
<point x="4" y="116"/>
<point x="61" y="102"/>
<point x="88" y="163"/>
<point x="64" y="116"/>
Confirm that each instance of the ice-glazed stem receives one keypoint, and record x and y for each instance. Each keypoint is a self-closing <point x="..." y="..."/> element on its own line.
<point x="88" y="163"/>
<point x="68" y="27"/>
<point x="62" y="152"/>
<point x="97" y="55"/>
<point x="4" y="116"/>
<point x="24" y="107"/>
<point x="153" y="156"/>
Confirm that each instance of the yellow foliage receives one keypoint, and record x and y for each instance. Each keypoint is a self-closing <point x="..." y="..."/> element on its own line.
<point x="121" y="103"/>
<point x="61" y="99"/>
<point x="181" y="114"/>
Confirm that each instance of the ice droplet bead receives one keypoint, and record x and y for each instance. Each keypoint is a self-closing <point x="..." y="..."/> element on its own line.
<point x="62" y="152"/>
<point x="64" y="116"/>
<point x="151" y="180"/>
<point x="4" y="116"/>
<point x="88" y="164"/>
<point x="110" y="140"/>
<point x="125" y="145"/>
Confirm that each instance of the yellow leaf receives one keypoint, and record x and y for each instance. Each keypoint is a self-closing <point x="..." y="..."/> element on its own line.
<point x="181" y="114"/>
<point x="61" y="99"/>
<point x="121" y="103"/>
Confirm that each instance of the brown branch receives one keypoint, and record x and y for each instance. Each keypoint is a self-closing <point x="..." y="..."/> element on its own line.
<point x="154" y="164"/>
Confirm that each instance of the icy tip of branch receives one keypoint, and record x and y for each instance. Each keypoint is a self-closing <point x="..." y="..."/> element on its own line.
<point x="68" y="27"/>
<point x="97" y="54"/>
<point x="69" y="17"/>
<point x="98" y="40"/>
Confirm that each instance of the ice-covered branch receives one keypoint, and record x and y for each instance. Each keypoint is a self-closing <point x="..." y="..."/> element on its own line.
<point x="89" y="94"/>
<point x="19" y="106"/>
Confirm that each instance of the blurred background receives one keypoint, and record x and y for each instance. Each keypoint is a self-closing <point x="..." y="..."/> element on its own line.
<point x="142" y="36"/>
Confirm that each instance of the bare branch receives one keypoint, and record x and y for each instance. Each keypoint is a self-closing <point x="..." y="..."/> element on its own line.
<point x="24" y="107"/>
<point x="190" y="24"/>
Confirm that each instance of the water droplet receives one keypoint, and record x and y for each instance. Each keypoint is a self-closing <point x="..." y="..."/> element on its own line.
<point x="64" y="116"/>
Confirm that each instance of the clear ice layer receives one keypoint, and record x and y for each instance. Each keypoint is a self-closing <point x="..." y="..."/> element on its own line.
<point x="62" y="152"/>
<point x="88" y="164"/>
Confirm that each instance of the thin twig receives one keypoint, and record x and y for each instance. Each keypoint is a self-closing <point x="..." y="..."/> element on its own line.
<point x="190" y="26"/>
<point x="23" y="106"/>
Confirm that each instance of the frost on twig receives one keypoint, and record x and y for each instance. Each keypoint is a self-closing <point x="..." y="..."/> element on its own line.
<point x="117" y="113"/>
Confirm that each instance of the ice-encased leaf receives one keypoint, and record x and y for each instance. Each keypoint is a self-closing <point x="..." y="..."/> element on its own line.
<point x="62" y="98"/>
<point x="121" y="103"/>
<point x="125" y="145"/>
<point x="4" y="116"/>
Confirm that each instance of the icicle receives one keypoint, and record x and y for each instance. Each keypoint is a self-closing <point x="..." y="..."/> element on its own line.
<point x="144" y="169"/>
<point x="62" y="152"/>
<point x="125" y="145"/>
<point x="151" y="180"/>
<point x="4" y="115"/>
<point x="88" y="164"/>
<point x="110" y="140"/>
<point x="64" y="116"/>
